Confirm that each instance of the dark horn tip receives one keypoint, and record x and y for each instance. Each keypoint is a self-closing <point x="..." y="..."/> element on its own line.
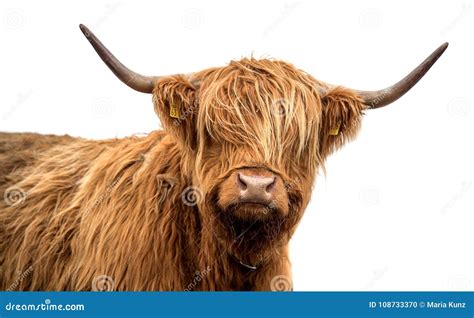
<point x="443" y="46"/>
<point x="84" y="29"/>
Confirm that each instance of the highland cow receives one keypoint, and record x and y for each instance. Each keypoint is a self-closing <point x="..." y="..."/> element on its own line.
<point x="209" y="203"/>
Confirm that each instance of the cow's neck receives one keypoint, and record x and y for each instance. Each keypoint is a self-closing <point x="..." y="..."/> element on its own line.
<point x="228" y="272"/>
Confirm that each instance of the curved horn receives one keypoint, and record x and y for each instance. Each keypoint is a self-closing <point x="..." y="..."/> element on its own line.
<point x="383" y="97"/>
<point x="144" y="84"/>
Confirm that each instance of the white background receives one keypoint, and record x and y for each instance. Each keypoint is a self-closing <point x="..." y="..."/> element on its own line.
<point x="395" y="210"/>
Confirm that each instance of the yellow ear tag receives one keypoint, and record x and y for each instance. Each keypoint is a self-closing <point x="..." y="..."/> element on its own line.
<point x="335" y="130"/>
<point x="174" y="111"/>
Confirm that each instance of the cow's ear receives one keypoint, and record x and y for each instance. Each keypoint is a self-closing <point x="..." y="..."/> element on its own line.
<point x="342" y="112"/>
<point x="174" y="99"/>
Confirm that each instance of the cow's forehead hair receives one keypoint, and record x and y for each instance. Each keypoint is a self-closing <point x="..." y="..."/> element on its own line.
<point x="265" y="105"/>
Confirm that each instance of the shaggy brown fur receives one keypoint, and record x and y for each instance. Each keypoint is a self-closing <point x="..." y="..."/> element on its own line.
<point x="115" y="207"/>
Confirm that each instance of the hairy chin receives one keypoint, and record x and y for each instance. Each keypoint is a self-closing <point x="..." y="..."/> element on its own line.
<point x="252" y="229"/>
<point x="248" y="229"/>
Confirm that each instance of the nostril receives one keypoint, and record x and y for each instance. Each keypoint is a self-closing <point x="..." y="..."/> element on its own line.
<point x="271" y="185"/>
<point x="241" y="182"/>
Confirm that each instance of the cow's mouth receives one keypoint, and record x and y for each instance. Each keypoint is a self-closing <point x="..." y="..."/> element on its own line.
<point x="252" y="211"/>
<point x="252" y="227"/>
